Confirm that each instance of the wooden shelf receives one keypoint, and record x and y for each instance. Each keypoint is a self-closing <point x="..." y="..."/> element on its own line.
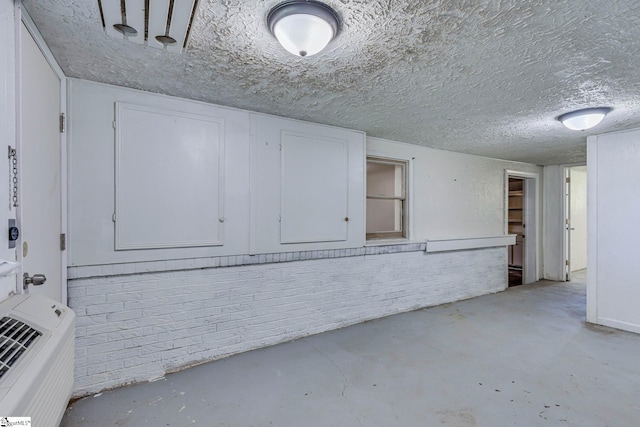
<point x="515" y="226"/>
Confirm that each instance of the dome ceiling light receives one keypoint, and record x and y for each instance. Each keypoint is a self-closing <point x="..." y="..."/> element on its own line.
<point x="303" y="27"/>
<point x="584" y="119"/>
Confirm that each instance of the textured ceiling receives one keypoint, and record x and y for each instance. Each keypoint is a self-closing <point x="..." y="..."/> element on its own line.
<point x="484" y="77"/>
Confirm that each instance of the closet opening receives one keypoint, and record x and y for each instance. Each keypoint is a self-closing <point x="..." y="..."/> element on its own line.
<point x="517" y="227"/>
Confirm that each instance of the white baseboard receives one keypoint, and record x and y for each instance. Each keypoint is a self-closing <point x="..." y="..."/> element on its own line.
<point x="625" y="326"/>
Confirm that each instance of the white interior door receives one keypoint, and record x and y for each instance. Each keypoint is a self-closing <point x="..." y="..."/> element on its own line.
<point x="567" y="222"/>
<point x="578" y="218"/>
<point x="39" y="211"/>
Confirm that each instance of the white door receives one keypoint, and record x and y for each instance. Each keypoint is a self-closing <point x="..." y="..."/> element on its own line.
<point x="575" y="219"/>
<point x="39" y="211"/>
<point x="567" y="224"/>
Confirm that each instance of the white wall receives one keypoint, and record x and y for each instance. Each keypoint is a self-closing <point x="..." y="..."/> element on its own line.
<point x="7" y="130"/>
<point x="307" y="186"/>
<point x="453" y="195"/>
<point x="91" y="175"/>
<point x="613" y="275"/>
<point x="137" y="327"/>
<point x="144" y="312"/>
<point x="578" y="242"/>
<point x="252" y="181"/>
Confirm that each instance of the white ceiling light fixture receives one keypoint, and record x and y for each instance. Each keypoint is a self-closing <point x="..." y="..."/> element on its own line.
<point x="584" y="119"/>
<point x="303" y="27"/>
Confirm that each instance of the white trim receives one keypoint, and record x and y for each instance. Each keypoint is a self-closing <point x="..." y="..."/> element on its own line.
<point x="253" y="194"/>
<point x="410" y="185"/>
<point x="363" y="202"/>
<point x="442" y="245"/>
<point x="387" y="242"/>
<point x="592" y="230"/>
<point x="566" y="212"/>
<point x="612" y="323"/>
<point x="225" y="261"/>
<point x="536" y="177"/>
<point x="18" y="134"/>
<point x="64" y="205"/>
<point x="23" y="17"/>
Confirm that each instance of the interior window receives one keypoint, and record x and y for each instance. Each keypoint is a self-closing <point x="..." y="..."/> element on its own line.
<point x="386" y="198"/>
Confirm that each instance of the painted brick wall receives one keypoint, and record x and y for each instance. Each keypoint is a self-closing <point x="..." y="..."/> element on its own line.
<point x="136" y="327"/>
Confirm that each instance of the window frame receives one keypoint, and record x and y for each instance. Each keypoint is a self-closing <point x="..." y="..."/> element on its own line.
<point x="405" y="232"/>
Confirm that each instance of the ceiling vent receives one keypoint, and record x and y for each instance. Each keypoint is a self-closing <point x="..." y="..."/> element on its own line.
<point x="164" y="24"/>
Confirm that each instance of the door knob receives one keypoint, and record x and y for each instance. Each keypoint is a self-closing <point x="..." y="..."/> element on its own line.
<point x="35" y="280"/>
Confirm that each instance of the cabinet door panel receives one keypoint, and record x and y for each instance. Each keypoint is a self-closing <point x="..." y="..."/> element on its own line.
<point x="314" y="188"/>
<point x="169" y="179"/>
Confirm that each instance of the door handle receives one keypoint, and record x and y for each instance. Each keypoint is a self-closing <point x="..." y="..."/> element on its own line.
<point x="35" y="280"/>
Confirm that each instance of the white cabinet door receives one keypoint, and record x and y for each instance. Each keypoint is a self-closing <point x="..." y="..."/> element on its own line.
<point x="307" y="186"/>
<point x="169" y="178"/>
<point x="314" y="188"/>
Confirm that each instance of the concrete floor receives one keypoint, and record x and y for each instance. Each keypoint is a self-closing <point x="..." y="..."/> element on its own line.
<point x="524" y="357"/>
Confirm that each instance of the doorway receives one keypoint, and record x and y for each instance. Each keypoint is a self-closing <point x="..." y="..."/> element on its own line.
<point x="522" y="201"/>
<point x="516" y="226"/>
<point x="575" y="214"/>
